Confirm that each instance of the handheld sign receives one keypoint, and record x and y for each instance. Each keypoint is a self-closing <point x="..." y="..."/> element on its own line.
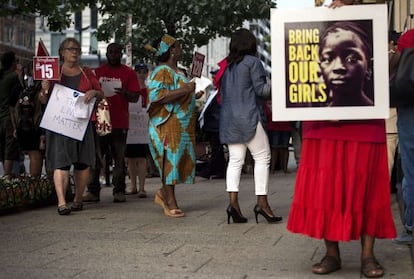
<point x="198" y="62"/>
<point x="66" y="112"/>
<point x="305" y="82"/>
<point x="138" y="124"/>
<point x="46" y="68"/>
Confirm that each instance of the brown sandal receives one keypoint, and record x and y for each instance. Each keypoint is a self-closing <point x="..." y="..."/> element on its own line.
<point x="371" y="268"/>
<point x="159" y="199"/>
<point x="327" y="265"/>
<point x="174" y="213"/>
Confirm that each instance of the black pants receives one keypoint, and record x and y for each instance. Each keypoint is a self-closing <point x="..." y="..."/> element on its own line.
<point x="216" y="165"/>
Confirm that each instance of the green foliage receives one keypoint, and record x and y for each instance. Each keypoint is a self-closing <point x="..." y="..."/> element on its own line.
<point x="193" y="21"/>
<point x="58" y="15"/>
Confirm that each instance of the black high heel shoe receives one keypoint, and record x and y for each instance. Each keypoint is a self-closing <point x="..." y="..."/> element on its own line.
<point x="233" y="213"/>
<point x="270" y="219"/>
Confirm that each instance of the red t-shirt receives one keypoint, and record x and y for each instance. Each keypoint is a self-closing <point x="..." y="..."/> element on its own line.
<point x="118" y="105"/>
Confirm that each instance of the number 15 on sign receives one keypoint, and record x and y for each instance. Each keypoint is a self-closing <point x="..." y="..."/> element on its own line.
<point x="46" y="68"/>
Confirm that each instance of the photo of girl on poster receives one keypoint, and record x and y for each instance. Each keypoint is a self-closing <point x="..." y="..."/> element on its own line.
<point x="329" y="64"/>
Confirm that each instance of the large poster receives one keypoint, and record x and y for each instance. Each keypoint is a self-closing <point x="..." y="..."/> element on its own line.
<point x="67" y="113"/>
<point x="330" y="64"/>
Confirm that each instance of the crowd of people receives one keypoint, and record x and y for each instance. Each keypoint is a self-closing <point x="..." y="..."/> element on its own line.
<point x="342" y="188"/>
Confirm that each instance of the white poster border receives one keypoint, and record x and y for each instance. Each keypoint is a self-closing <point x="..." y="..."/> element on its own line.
<point x="378" y="14"/>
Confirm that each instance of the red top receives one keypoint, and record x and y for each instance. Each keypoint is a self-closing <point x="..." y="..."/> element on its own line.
<point x="223" y="66"/>
<point x="351" y="130"/>
<point x="118" y="105"/>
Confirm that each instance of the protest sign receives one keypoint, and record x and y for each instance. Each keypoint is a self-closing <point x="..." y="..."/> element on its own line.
<point x="46" y="68"/>
<point x="138" y="124"/>
<point x="306" y="85"/>
<point x="66" y="112"/>
<point x="198" y="62"/>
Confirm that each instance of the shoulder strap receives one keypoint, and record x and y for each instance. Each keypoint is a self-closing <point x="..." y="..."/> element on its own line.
<point x="86" y="76"/>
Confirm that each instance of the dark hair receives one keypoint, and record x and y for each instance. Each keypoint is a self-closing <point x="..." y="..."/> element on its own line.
<point x="242" y="43"/>
<point x="7" y="60"/>
<point x="116" y="46"/>
<point x="354" y="27"/>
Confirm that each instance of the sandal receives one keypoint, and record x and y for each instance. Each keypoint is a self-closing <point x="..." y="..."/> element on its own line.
<point x="371" y="268"/>
<point x="327" y="265"/>
<point x="63" y="210"/>
<point x="174" y="213"/>
<point x="159" y="199"/>
<point x="77" y="206"/>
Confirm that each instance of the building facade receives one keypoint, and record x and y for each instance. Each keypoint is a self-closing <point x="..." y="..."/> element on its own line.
<point x="18" y="35"/>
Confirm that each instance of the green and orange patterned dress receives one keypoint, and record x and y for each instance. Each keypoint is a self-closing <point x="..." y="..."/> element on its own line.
<point x="171" y="127"/>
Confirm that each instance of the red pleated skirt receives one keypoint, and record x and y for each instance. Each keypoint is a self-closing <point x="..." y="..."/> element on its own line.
<point x="342" y="191"/>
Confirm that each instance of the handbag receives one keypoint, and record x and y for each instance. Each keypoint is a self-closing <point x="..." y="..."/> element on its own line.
<point x="402" y="84"/>
<point x="103" y="118"/>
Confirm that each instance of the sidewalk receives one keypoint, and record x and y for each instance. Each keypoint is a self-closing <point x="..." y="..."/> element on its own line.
<point x="135" y="240"/>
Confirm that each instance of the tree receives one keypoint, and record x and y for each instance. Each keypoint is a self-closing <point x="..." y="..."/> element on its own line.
<point x="58" y="12"/>
<point x="193" y="21"/>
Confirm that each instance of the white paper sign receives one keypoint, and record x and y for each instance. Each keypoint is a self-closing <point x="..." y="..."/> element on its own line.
<point x="108" y="87"/>
<point x="202" y="83"/>
<point x="60" y="116"/>
<point x="138" y="124"/>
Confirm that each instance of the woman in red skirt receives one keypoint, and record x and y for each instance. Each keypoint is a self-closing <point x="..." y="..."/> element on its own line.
<point x="342" y="186"/>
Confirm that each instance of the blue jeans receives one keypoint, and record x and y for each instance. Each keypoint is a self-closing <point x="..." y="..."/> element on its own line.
<point x="406" y="134"/>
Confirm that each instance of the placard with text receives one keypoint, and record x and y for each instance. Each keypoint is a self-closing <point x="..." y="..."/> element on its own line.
<point x="67" y="113"/>
<point x="198" y="62"/>
<point x="330" y="64"/>
<point x="46" y="68"/>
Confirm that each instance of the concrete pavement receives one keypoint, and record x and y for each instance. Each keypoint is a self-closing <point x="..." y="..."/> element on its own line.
<point x="135" y="240"/>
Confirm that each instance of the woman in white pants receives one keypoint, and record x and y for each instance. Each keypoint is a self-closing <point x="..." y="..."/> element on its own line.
<point x="243" y="88"/>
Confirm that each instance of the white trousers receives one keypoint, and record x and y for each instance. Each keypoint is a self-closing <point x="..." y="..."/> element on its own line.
<point x="260" y="150"/>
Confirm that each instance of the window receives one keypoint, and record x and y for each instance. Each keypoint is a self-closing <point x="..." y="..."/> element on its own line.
<point x="8" y="34"/>
<point x="93" y="43"/>
<point x="56" y="39"/>
<point x="94" y="18"/>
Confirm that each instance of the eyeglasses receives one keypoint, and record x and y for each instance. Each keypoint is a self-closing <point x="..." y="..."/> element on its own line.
<point x="72" y="49"/>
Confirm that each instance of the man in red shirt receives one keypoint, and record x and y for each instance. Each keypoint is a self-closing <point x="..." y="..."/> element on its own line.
<point x="120" y="85"/>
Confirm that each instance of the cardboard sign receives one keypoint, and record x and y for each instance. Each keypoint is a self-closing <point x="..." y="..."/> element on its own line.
<point x="46" y="68"/>
<point x="66" y="112"/>
<point x="307" y="83"/>
<point x="138" y="124"/>
<point x="198" y="62"/>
